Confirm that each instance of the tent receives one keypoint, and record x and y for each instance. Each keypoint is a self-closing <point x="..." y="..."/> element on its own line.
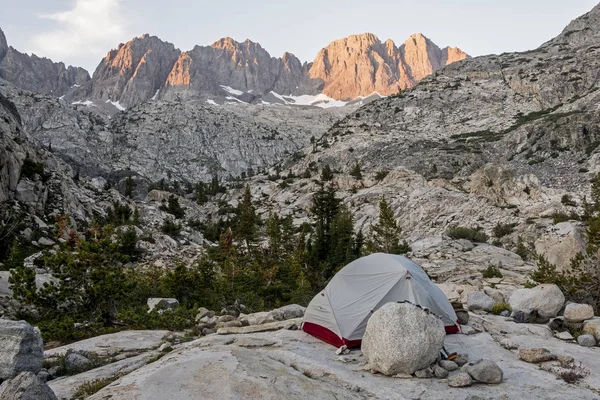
<point x="338" y="315"/>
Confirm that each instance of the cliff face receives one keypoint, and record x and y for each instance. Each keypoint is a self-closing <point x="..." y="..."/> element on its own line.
<point x="135" y="71"/>
<point x="356" y="66"/>
<point x="361" y="64"/>
<point x="39" y="75"/>
<point x="245" y="67"/>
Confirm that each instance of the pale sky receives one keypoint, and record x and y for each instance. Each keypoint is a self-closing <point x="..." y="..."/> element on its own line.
<point x="81" y="32"/>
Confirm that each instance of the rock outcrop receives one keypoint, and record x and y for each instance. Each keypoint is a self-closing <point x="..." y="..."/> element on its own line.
<point x="26" y="386"/>
<point x="545" y="300"/>
<point x="40" y="75"/>
<point x="135" y="71"/>
<point x="402" y="338"/>
<point x="21" y="349"/>
<point x="361" y="64"/>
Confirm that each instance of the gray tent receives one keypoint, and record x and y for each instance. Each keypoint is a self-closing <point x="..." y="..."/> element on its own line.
<point x="339" y="314"/>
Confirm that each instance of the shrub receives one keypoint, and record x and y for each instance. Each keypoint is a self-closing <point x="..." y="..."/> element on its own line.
<point x="173" y="207"/>
<point x="170" y="227"/>
<point x="31" y="168"/>
<point x="501" y="230"/>
<point x="91" y="387"/>
<point x="499" y="307"/>
<point x="492" y="272"/>
<point x="574" y="373"/>
<point x="559" y="217"/>
<point x="566" y="200"/>
<point x="380" y="175"/>
<point x="472" y="234"/>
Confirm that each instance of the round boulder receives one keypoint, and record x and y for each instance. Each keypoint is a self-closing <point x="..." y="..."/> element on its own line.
<point x="575" y="312"/>
<point x="75" y="363"/>
<point x="402" y="338"/>
<point x="484" y="371"/>
<point x="545" y="300"/>
<point x="586" y="340"/>
<point x="480" y="301"/>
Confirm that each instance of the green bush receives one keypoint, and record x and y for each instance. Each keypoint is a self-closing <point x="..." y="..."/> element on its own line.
<point x="568" y="201"/>
<point x="492" y="272"/>
<point x="170" y="227"/>
<point x="473" y="234"/>
<point x="499" y="307"/>
<point x="380" y="175"/>
<point x="501" y="230"/>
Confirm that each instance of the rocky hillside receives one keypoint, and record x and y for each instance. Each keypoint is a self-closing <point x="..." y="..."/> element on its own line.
<point x="169" y="140"/>
<point x="41" y="74"/>
<point x="361" y="64"/>
<point x="493" y="140"/>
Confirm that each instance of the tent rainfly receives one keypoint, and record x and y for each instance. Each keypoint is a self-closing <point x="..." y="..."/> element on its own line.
<point x="338" y="315"/>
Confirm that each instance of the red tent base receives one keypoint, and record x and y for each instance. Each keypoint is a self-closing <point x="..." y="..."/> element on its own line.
<point x="328" y="336"/>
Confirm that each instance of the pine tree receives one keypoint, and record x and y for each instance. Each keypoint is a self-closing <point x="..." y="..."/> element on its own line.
<point x="386" y="234"/>
<point x="129" y="186"/>
<point x="596" y="192"/>
<point x="247" y="227"/>
<point x="326" y="173"/>
<point x="324" y="209"/>
<point x="356" y="172"/>
<point x="201" y="196"/>
<point x="342" y="242"/>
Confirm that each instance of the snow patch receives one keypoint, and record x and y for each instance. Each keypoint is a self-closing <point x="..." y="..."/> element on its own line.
<point x="231" y="90"/>
<point x="155" y="94"/>
<point x="75" y="86"/>
<point x="235" y="99"/>
<point x="116" y="104"/>
<point x="320" y="100"/>
<point x="87" y="103"/>
<point x="211" y="102"/>
<point x="62" y="97"/>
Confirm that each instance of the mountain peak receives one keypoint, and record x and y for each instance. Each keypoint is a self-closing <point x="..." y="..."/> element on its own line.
<point x="3" y="45"/>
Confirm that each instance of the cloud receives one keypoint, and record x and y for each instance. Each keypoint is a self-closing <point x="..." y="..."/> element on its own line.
<point x="90" y="28"/>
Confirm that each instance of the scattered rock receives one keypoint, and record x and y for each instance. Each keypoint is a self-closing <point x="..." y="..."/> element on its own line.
<point x="578" y="312"/>
<point x="207" y="331"/>
<point x="288" y="312"/>
<point x="258" y="318"/>
<point x="485" y="371"/>
<point x="230" y="324"/>
<point x="592" y="327"/>
<point x="462" y="316"/>
<point x="461" y="379"/>
<point x="547" y="300"/>
<point x="564" y="335"/>
<point x="440" y="372"/>
<point x="448" y="365"/>
<point x="204" y="312"/>
<point x="535" y="355"/>
<point x="505" y="313"/>
<point x="44" y="241"/>
<point x="26" y="386"/>
<point x="162" y="303"/>
<point x="586" y="340"/>
<point x="273" y="326"/>
<point x="495" y="294"/>
<point x="424" y="373"/>
<point x="75" y="363"/>
<point x="461" y="360"/>
<point x="21" y="348"/>
<point x="401" y="337"/>
<point x="225" y="318"/>
<point x="480" y="301"/>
